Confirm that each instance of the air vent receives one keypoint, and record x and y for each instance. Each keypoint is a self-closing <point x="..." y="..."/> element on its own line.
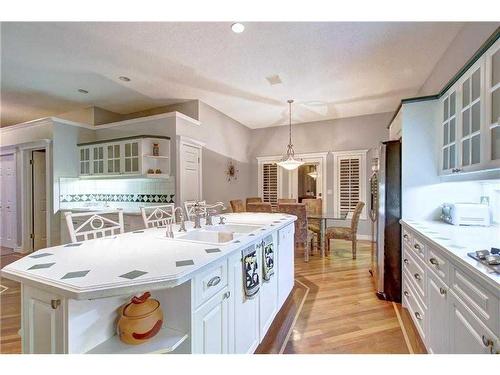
<point x="274" y="80"/>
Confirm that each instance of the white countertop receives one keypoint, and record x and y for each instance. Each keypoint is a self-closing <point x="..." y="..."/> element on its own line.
<point x="457" y="241"/>
<point x="148" y="251"/>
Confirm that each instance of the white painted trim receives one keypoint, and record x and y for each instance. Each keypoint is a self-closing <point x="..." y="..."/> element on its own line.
<point x="190" y="141"/>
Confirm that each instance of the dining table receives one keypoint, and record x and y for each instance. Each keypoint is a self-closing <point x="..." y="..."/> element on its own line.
<point x="322" y="218"/>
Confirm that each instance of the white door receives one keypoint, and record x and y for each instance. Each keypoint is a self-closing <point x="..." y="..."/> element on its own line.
<point x="8" y="201"/>
<point x="268" y="296"/>
<point x="285" y="263"/>
<point x="210" y="325"/>
<point x="437" y="315"/>
<point x="39" y="201"/>
<point x="190" y="173"/>
<point x="243" y="312"/>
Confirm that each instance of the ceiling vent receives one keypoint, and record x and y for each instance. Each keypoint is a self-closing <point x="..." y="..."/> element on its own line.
<point x="274" y="80"/>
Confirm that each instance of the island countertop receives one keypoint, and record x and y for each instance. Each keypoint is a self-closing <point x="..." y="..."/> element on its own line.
<point x="131" y="262"/>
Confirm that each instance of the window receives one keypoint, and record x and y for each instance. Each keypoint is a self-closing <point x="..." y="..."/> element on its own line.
<point x="350" y="175"/>
<point x="270" y="183"/>
<point x="449" y="131"/>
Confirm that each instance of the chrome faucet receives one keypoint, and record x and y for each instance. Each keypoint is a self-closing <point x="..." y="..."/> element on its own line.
<point x="197" y="211"/>
<point x="211" y="209"/>
<point x="182" y="227"/>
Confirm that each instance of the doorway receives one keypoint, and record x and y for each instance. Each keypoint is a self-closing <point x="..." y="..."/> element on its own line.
<point x="38" y="200"/>
<point x="8" y="201"/>
<point x="190" y="172"/>
<point x="307" y="181"/>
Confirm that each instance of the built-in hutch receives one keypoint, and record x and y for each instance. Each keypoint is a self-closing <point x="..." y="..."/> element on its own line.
<point x="130" y="156"/>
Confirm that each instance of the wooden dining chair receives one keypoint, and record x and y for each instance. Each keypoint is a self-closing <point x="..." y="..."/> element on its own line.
<point x="158" y="216"/>
<point x="253" y="200"/>
<point x="303" y="236"/>
<point x="237" y="205"/>
<point x="260" y="207"/>
<point x="346" y="233"/>
<point x="91" y="225"/>
<point x="287" y="200"/>
<point x="189" y="207"/>
<point x="314" y="206"/>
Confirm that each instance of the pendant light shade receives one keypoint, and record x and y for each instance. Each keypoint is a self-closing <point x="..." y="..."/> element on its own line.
<point x="289" y="162"/>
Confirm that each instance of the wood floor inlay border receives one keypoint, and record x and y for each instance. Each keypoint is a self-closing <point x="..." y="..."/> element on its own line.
<point x="403" y="329"/>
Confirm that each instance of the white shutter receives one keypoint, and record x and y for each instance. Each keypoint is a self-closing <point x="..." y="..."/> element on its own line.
<point x="349" y="183"/>
<point x="270" y="183"/>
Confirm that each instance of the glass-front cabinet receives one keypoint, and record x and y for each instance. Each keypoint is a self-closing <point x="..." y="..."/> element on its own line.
<point x="138" y="155"/>
<point x="470" y="111"/>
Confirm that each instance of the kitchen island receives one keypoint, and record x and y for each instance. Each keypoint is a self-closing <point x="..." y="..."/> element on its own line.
<point x="71" y="293"/>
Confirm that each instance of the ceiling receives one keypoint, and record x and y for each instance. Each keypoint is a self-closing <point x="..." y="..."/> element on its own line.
<point x="332" y="70"/>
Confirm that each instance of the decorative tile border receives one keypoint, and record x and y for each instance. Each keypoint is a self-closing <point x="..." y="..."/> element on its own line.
<point x="133" y="198"/>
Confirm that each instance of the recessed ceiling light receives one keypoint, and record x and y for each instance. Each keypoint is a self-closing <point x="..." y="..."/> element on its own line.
<point x="83" y="91"/>
<point x="123" y="78"/>
<point x="237" y="27"/>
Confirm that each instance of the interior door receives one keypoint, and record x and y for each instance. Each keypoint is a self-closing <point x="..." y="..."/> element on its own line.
<point x="190" y="173"/>
<point x="8" y="207"/>
<point x="39" y="201"/>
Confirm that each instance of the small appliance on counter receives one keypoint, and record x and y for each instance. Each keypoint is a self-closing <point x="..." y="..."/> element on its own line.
<point x="466" y="214"/>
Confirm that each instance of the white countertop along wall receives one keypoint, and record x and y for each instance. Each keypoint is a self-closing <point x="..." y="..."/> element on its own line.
<point x="457" y="241"/>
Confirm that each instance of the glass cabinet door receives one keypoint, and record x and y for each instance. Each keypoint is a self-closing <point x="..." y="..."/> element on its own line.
<point x="113" y="159"/>
<point x="471" y="119"/>
<point x="98" y="160"/>
<point x="85" y="160"/>
<point x="495" y="106"/>
<point x="449" y="132"/>
<point x="131" y="157"/>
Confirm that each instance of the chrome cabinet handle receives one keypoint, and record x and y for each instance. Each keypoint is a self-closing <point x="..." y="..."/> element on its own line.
<point x="406" y="293"/>
<point x="227" y="295"/>
<point x="405" y="236"/>
<point x="213" y="281"/>
<point x="488" y="343"/>
<point x="417" y="246"/>
<point x="406" y="261"/>
<point x="443" y="291"/>
<point x="417" y="276"/>
<point x="434" y="261"/>
<point x="55" y="303"/>
<point x="418" y="315"/>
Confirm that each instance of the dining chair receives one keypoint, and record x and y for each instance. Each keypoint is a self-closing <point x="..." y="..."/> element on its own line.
<point x="91" y="225"/>
<point x="237" y="205"/>
<point x="259" y="207"/>
<point x="314" y="206"/>
<point x="189" y="207"/>
<point x="158" y="216"/>
<point x="253" y="200"/>
<point x="287" y="200"/>
<point x="302" y="235"/>
<point x="346" y="233"/>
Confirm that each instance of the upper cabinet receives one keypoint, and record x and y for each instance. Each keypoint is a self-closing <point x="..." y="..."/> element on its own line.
<point x="147" y="156"/>
<point x="469" y="130"/>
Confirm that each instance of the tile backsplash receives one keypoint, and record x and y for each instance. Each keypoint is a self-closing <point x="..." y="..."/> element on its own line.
<point x="126" y="193"/>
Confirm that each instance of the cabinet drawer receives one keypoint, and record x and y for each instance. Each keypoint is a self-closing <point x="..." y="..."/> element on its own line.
<point x="208" y="283"/>
<point x="438" y="263"/>
<point x="416" y="271"/>
<point x="415" y="308"/>
<point x="407" y="238"/>
<point x="418" y="247"/>
<point x="477" y="298"/>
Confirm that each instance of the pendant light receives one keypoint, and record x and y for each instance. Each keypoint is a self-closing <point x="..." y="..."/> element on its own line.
<point x="289" y="162"/>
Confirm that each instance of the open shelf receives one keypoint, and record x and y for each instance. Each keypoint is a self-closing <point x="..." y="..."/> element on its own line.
<point x="156" y="157"/>
<point x="166" y="341"/>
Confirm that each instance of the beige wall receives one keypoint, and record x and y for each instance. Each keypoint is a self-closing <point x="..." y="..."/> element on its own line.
<point x="462" y="48"/>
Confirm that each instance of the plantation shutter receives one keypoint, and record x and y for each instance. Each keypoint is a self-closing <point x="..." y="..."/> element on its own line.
<point x="349" y="183"/>
<point x="270" y="183"/>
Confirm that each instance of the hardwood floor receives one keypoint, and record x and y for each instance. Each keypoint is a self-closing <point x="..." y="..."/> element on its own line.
<point x="333" y="309"/>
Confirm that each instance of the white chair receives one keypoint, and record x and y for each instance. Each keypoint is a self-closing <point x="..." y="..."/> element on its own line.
<point x="158" y="216"/>
<point x="94" y="224"/>
<point x="189" y="207"/>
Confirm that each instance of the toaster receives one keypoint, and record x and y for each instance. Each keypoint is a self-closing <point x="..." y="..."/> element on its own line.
<point x="466" y="214"/>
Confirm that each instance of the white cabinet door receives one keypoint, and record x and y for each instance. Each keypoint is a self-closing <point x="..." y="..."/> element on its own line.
<point x="285" y="263"/>
<point x="113" y="158"/>
<point x="98" y="160"/>
<point x="467" y="334"/>
<point x="131" y="157"/>
<point x="85" y="167"/>
<point x="437" y="315"/>
<point x="268" y="295"/>
<point x="210" y="325"/>
<point x="43" y="322"/>
<point x="243" y="311"/>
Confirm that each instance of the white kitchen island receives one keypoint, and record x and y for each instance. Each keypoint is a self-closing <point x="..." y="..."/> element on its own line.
<point x="71" y="293"/>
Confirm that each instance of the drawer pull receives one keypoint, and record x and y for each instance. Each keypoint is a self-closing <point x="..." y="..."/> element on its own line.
<point x="417" y="246"/>
<point x="417" y="276"/>
<point x="405" y="236"/>
<point x="55" y="303"/>
<point x="488" y="343"/>
<point x="434" y="261"/>
<point x="418" y="315"/>
<point x="406" y="261"/>
<point x="213" y="281"/>
<point x="406" y="293"/>
<point x="442" y="291"/>
<point x="227" y="295"/>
